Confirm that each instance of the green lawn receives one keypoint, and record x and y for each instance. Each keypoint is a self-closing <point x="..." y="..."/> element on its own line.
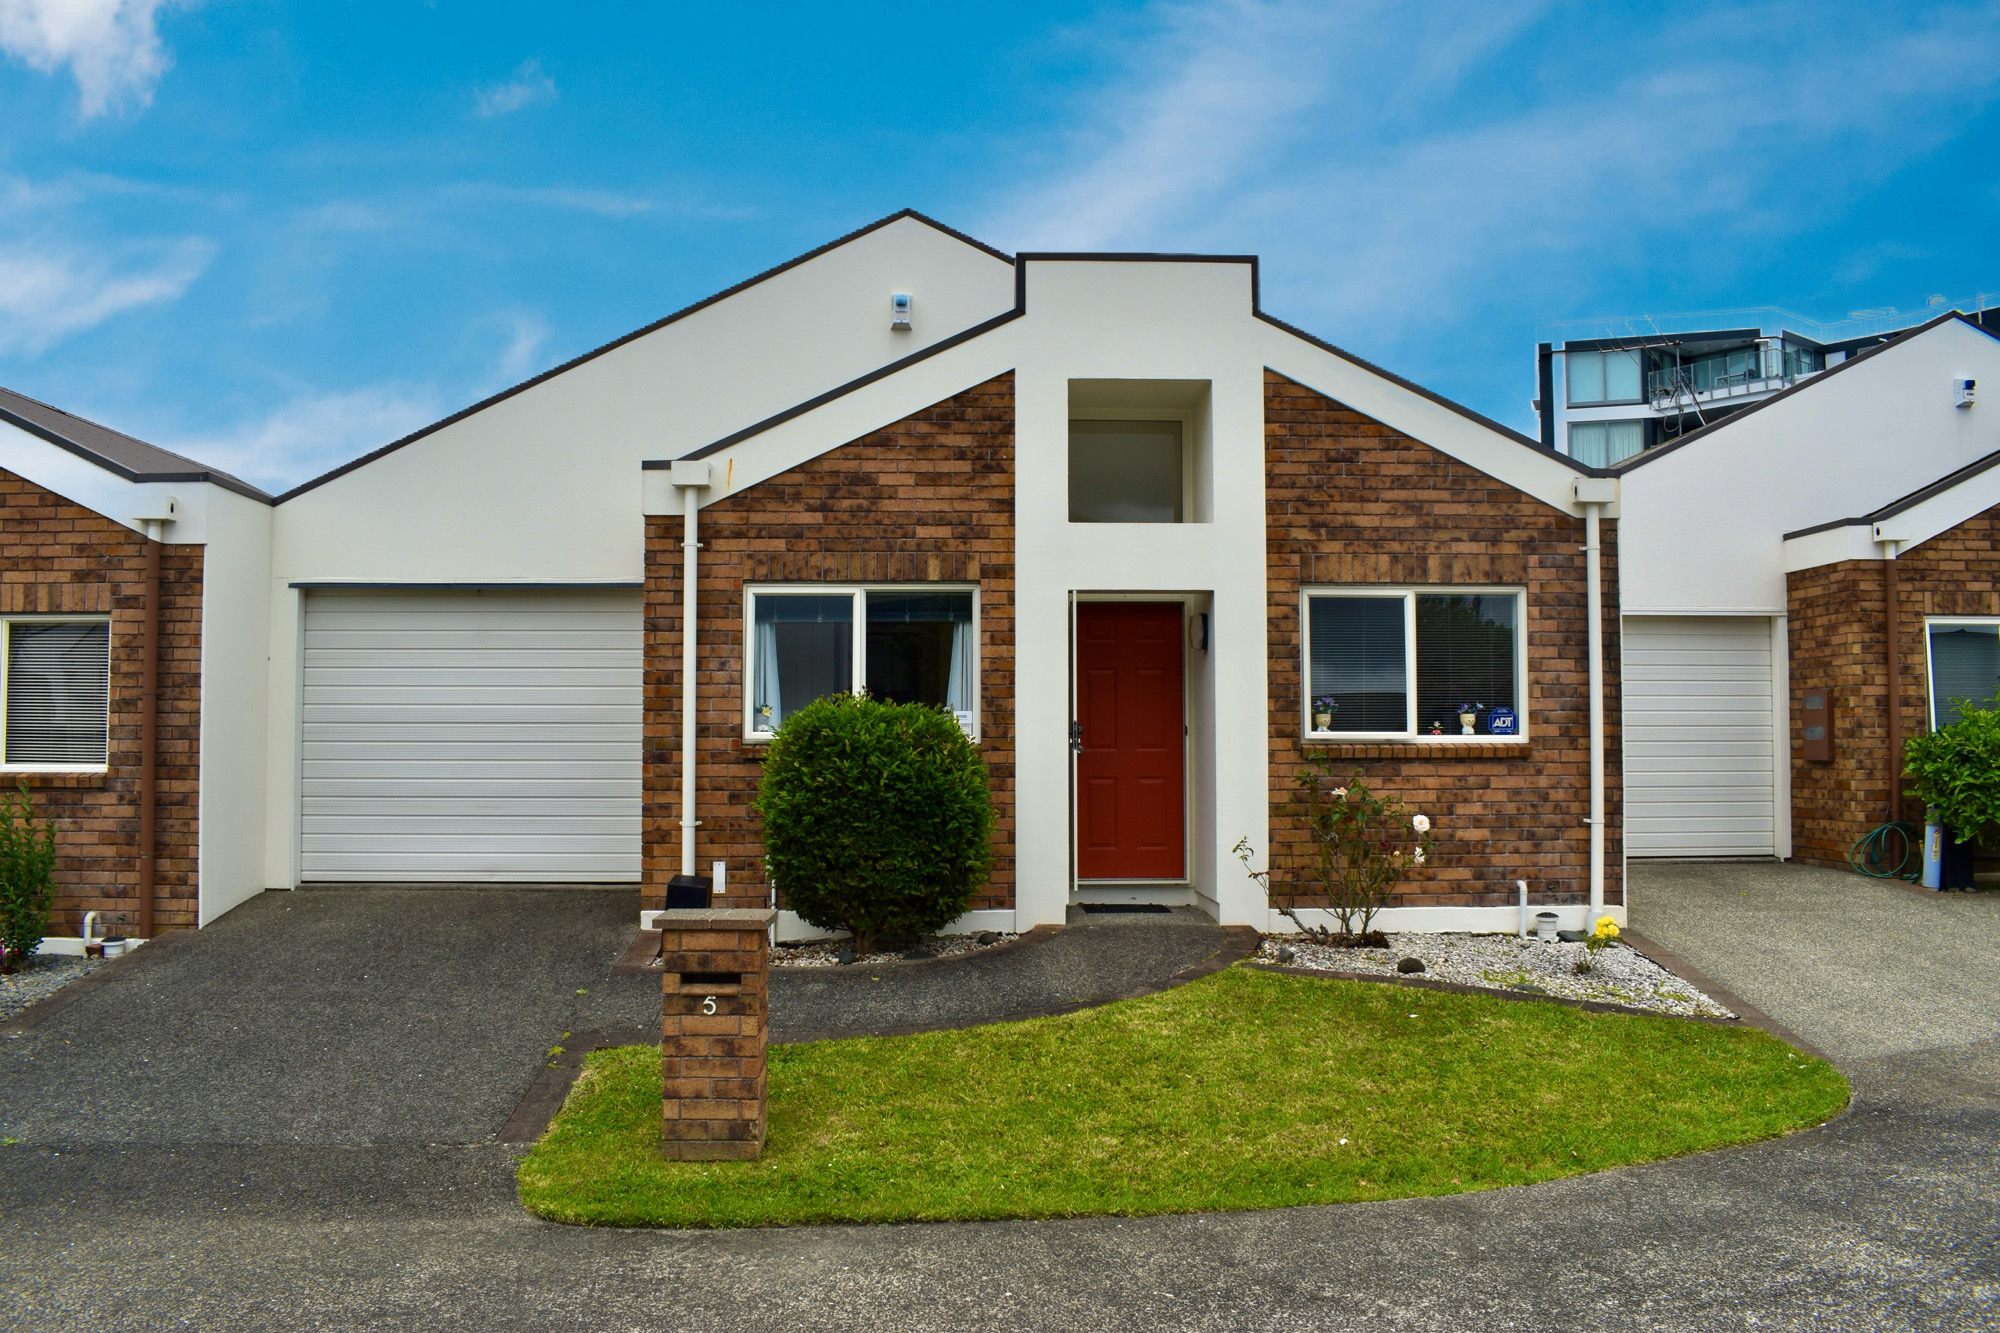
<point x="1242" y="1090"/>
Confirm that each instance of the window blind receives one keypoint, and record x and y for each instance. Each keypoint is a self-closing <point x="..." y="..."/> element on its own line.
<point x="1465" y="655"/>
<point x="1358" y="660"/>
<point x="58" y="693"/>
<point x="1965" y="664"/>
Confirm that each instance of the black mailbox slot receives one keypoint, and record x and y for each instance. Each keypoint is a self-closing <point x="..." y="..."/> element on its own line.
<point x="689" y="979"/>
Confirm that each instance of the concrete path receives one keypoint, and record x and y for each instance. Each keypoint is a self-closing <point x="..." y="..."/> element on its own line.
<point x="1884" y="1219"/>
<point x="1097" y="955"/>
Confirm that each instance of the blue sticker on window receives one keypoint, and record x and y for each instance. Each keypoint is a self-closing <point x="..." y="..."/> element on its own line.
<point x="1500" y="722"/>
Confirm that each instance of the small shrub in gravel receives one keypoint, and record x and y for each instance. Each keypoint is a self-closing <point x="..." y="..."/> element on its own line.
<point x="1362" y="846"/>
<point x="877" y="818"/>
<point x="27" y="877"/>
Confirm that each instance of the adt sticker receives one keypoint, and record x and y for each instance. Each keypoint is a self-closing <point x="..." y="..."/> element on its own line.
<point x="1500" y="722"/>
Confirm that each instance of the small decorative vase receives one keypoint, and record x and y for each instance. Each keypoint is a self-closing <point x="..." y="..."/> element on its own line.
<point x="1466" y="721"/>
<point x="1322" y="721"/>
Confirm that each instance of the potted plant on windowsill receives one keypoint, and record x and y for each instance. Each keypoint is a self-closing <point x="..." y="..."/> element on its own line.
<point x="1323" y="709"/>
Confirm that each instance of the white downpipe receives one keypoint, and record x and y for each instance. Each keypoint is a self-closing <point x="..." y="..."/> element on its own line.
<point x="690" y="591"/>
<point x="1594" y="600"/>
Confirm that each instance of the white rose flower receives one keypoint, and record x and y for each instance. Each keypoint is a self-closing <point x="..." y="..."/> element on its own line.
<point x="1421" y="823"/>
<point x="1420" y="856"/>
<point x="1340" y="793"/>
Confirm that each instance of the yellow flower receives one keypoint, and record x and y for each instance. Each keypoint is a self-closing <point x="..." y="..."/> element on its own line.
<point x="1607" y="929"/>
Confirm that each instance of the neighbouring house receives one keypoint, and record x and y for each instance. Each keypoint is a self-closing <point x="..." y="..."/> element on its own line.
<point x="1150" y="545"/>
<point x="1608" y="389"/>
<point x="1756" y="560"/>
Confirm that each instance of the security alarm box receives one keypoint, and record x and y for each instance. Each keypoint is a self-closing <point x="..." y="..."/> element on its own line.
<point x="1816" y="718"/>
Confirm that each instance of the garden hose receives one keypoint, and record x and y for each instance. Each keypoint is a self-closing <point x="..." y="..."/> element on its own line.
<point x="1889" y="851"/>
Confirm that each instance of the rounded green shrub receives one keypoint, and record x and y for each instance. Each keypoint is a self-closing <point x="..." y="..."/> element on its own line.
<point x="877" y="817"/>
<point x="1955" y="772"/>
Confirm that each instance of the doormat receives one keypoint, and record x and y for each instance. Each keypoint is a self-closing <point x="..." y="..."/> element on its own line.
<point x="1125" y="907"/>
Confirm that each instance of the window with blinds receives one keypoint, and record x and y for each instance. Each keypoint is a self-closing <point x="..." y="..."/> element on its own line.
<point x="58" y="692"/>
<point x="1965" y="668"/>
<point x="1360" y="663"/>
<point x="1414" y="663"/>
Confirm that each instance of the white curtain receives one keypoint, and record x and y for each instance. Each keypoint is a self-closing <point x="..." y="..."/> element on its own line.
<point x="964" y="654"/>
<point x="765" y="703"/>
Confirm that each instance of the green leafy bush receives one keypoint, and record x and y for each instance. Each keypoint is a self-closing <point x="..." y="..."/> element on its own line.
<point x="877" y="817"/>
<point x="1956" y="774"/>
<point x="27" y="876"/>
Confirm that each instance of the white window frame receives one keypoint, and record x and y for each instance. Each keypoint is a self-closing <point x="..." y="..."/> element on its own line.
<point x="7" y="624"/>
<point x="1408" y="595"/>
<point x="1930" y="672"/>
<point x="858" y="639"/>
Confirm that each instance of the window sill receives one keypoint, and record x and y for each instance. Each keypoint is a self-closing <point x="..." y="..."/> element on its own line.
<point x="35" y="776"/>
<point x="1441" y="747"/>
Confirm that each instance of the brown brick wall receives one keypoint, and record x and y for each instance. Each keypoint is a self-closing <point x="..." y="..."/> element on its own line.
<point x="1839" y="637"/>
<point x="929" y="499"/>
<point x="1351" y="501"/>
<point x="56" y="556"/>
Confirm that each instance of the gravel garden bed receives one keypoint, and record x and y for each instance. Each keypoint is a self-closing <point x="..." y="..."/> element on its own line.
<point x="1616" y="973"/>
<point x="41" y="977"/>
<point x="835" y="953"/>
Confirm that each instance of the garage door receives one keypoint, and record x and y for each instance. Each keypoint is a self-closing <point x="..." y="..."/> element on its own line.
<point x="1699" y="737"/>
<point x="471" y="736"/>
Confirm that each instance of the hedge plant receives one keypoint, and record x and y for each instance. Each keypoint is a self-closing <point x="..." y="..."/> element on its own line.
<point x="1955" y="772"/>
<point x="27" y="877"/>
<point x="877" y="817"/>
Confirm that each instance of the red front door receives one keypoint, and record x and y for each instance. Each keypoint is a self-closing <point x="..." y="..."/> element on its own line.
<point x="1130" y="782"/>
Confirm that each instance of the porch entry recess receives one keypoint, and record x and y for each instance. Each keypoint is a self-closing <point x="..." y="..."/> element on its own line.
<point x="456" y="735"/>
<point x="1131" y="769"/>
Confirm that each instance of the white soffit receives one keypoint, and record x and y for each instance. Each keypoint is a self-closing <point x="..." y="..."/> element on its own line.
<point x="1527" y="468"/>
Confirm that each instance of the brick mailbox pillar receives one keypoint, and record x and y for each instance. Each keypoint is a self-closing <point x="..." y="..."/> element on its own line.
<point x="713" y="1006"/>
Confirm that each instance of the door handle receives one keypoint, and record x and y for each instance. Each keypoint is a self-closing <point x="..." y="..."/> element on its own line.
<point x="1076" y="738"/>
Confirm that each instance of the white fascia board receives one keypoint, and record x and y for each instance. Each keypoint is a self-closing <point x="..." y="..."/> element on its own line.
<point x="1526" y="468"/>
<point x="1850" y="541"/>
<point x="842" y="420"/>
<point x="102" y="491"/>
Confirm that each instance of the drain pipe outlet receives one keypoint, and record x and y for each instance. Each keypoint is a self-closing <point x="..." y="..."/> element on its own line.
<point x="1523" y="885"/>
<point x="688" y="477"/>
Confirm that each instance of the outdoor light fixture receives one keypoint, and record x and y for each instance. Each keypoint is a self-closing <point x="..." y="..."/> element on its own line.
<point x="899" y="312"/>
<point x="1965" y="388"/>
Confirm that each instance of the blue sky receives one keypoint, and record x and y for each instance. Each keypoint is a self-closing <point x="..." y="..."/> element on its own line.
<point x="276" y="236"/>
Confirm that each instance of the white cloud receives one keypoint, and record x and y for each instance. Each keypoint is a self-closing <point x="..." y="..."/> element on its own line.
<point x="112" y="47"/>
<point x="49" y="292"/>
<point x="522" y="355"/>
<point x="1391" y="163"/>
<point x="529" y="87"/>
<point x="314" y="432"/>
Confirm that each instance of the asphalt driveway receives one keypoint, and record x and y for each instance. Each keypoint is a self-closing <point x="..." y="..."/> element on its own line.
<point x="139" y="1200"/>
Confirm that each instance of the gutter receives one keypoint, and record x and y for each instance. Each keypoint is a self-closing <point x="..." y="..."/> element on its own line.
<point x="688" y="477"/>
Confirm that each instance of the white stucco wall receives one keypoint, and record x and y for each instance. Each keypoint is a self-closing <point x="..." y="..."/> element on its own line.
<point x="544" y="487"/>
<point x="1702" y="528"/>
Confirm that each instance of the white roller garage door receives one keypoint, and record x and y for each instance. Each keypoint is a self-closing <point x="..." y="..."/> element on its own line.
<point x="1699" y="737"/>
<point x="471" y="735"/>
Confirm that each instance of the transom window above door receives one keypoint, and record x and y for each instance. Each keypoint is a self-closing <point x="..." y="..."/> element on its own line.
<point x="918" y="643"/>
<point x="1126" y="472"/>
<point x="1426" y="664"/>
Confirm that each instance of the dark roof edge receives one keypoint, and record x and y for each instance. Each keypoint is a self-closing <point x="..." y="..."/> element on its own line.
<point x="840" y="391"/>
<point x="119" y="470"/>
<point x="654" y="327"/>
<point x="1895" y="340"/>
<point x="1438" y="398"/>
<point x="1021" y="308"/>
<point x="1910" y="501"/>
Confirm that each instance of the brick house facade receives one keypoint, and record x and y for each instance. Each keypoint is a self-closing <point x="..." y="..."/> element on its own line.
<point x="1839" y="643"/>
<point x="61" y="558"/>
<point x="929" y="499"/>
<point x="1352" y="502"/>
